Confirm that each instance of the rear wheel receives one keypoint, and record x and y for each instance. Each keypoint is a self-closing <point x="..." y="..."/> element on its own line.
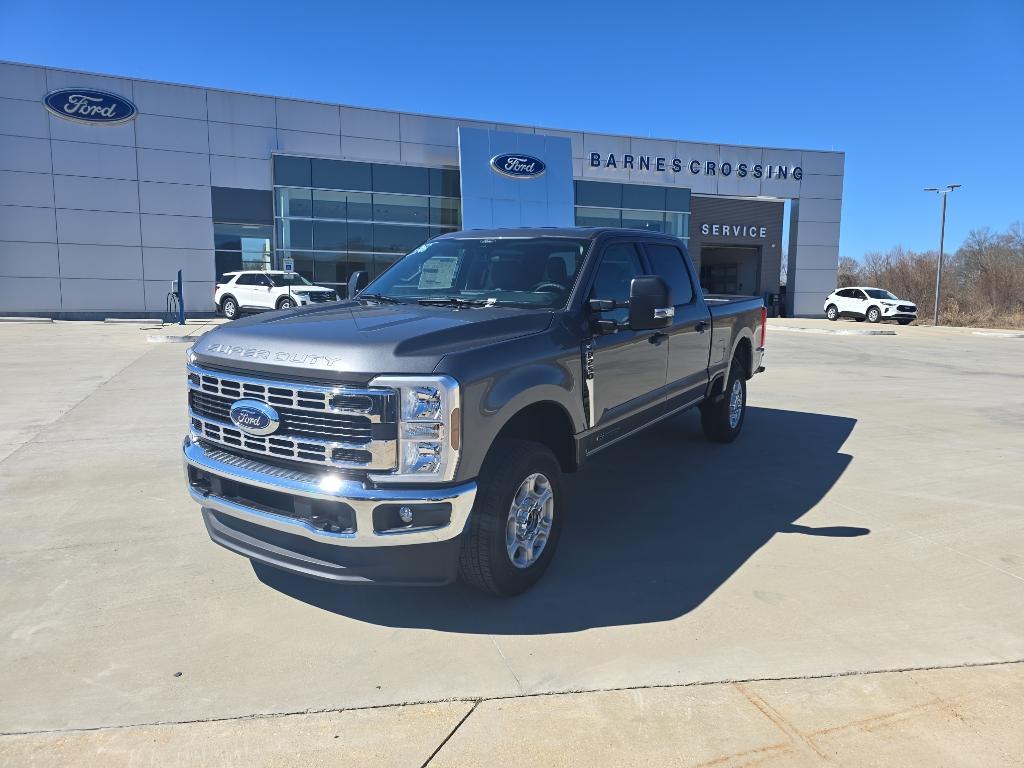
<point x="516" y="521"/>
<point x="832" y="313"/>
<point x="723" y="420"/>
<point x="230" y="308"/>
<point x="873" y="315"/>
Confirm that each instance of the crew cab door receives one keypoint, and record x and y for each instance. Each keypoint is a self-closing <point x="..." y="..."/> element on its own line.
<point x="628" y="367"/>
<point x="689" y="333"/>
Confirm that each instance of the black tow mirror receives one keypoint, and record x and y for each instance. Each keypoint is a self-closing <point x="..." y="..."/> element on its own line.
<point x="356" y="282"/>
<point x="650" y="305"/>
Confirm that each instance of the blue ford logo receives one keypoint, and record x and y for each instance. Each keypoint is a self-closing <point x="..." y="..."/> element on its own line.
<point x="87" y="105"/>
<point x="518" y="166"/>
<point x="254" y="417"/>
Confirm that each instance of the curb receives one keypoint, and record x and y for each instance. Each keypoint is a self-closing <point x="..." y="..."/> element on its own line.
<point x="831" y="332"/>
<point x="26" y="319"/>
<point x="1000" y="334"/>
<point x="132" y="320"/>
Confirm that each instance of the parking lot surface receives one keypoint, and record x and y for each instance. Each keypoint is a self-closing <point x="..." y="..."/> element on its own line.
<point x="869" y="518"/>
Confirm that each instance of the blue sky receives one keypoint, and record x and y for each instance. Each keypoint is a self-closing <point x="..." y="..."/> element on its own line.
<point x="916" y="93"/>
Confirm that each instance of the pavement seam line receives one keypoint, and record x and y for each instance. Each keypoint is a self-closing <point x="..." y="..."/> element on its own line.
<point x="479" y="700"/>
<point x="458" y="725"/>
<point x="508" y="666"/>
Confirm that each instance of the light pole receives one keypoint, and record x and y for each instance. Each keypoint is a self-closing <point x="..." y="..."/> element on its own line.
<point x="942" y="237"/>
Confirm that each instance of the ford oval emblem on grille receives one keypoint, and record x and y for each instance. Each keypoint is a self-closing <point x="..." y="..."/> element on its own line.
<point x="254" y="417"/>
<point x="518" y="166"/>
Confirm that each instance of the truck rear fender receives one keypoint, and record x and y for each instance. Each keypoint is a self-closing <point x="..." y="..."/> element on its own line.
<point x="742" y="353"/>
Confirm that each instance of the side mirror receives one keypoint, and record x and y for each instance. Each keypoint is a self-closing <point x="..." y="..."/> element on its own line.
<point x="356" y="282"/>
<point x="650" y="306"/>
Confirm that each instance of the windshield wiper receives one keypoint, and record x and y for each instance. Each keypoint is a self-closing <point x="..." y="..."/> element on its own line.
<point x="379" y="297"/>
<point x="457" y="301"/>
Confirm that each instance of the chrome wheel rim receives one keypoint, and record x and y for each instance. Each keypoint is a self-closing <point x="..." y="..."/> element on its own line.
<point x="735" y="403"/>
<point x="229" y="309"/>
<point x="831" y="314"/>
<point x="530" y="516"/>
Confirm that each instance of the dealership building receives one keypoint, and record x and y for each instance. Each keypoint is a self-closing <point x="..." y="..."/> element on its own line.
<point x="109" y="186"/>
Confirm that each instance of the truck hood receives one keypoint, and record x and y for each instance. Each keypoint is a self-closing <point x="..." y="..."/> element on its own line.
<point x="352" y="341"/>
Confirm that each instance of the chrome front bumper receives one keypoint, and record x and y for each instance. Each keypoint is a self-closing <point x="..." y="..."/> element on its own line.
<point x="326" y="486"/>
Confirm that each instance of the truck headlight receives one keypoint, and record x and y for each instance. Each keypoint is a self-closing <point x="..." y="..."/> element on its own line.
<point x="429" y="428"/>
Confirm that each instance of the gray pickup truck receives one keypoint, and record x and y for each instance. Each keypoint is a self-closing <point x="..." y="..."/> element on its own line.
<point x="419" y="430"/>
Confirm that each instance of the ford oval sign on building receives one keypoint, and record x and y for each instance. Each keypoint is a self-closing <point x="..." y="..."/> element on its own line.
<point x="518" y="166"/>
<point x="87" y="105"/>
<point x="254" y="417"/>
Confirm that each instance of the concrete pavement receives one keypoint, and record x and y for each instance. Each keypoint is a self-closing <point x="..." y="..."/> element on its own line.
<point x="868" y="519"/>
<point x="952" y="717"/>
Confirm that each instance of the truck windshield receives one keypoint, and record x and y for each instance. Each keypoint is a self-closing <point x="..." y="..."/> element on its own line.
<point x="288" y="278"/>
<point x="878" y="293"/>
<point x="526" y="272"/>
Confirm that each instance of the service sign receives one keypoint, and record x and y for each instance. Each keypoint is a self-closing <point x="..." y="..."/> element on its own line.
<point x="89" y="106"/>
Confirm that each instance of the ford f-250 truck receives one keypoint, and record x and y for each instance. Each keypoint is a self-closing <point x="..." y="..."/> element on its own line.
<point x="419" y="430"/>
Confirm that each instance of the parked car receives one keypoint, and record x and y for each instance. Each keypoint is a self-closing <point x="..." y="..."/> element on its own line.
<point x="257" y="291"/>
<point x="419" y="430"/>
<point x="871" y="304"/>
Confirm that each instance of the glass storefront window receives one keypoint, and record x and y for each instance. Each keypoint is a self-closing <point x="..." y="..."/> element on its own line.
<point x="677" y="224"/>
<point x="401" y="208"/>
<point x="330" y="235"/>
<point x="328" y="204"/>
<point x="294" y="202"/>
<point x="294" y="233"/>
<point x="650" y="220"/>
<point x="395" y="238"/>
<point x="334" y="217"/>
<point x="241" y="246"/>
<point x="598" y="217"/>
<point x="445" y="211"/>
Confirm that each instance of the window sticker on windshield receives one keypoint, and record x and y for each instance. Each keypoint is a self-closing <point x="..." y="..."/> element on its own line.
<point x="438" y="272"/>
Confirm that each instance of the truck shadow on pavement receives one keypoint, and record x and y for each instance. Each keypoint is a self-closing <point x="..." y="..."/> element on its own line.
<point x="658" y="523"/>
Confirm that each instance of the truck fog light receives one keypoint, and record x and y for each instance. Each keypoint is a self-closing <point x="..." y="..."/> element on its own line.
<point x="422" y="455"/>
<point x="405" y="514"/>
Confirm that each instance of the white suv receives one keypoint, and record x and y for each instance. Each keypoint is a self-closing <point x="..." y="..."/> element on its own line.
<point x="266" y="290"/>
<point x="871" y="304"/>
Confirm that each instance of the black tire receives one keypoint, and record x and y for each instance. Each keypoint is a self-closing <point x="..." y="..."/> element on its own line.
<point x="484" y="561"/>
<point x="832" y="312"/>
<point x="286" y="303"/>
<point x="229" y="307"/>
<point x="904" y="321"/>
<point x="715" y="415"/>
<point x="874" y="315"/>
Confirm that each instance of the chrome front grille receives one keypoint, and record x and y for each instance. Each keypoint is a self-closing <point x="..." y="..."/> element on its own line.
<point x="344" y="427"/>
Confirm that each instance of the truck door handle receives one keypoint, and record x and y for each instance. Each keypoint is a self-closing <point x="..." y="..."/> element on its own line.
<point x="657" y="337"/>
<point x="701" y="326"/>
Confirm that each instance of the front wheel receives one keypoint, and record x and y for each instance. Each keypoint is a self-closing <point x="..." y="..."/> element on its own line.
<point x="722" y="420"/>
<point x="286" y="303"/>
<point x="832" y="313"/>
<point x="516" y="521"/>
<point x="874" y="315"/>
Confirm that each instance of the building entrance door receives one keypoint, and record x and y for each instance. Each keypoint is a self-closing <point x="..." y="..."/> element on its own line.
<point x="731" y="269"/>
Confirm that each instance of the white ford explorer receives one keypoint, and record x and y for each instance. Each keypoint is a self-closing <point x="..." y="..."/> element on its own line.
<point x="256" y="290"/>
